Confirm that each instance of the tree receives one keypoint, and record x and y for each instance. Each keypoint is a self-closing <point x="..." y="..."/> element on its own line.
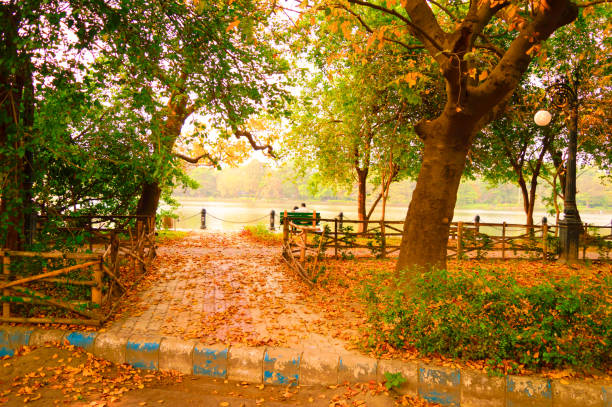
<point x="37" y="68"/>
<point x="352" y="125"/>
<point x="513" y="148"/>
<point x="579" y="56"/>
<point x="482" y="50"/>
<point x="206" y="62"/>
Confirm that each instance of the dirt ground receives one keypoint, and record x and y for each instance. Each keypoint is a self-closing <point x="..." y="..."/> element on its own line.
<point x="68" y="376"/>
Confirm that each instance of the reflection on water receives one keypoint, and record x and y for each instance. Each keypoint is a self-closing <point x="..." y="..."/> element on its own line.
<point x="234" y="215"/>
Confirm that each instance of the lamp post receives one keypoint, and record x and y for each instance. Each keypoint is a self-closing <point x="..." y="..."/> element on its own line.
<point x="563" y="96"/>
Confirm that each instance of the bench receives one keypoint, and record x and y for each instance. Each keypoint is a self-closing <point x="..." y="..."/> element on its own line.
<point x="301" y="218"/>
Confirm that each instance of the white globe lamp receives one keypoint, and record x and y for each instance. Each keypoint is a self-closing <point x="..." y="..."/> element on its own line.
<point x="542" y="118"/>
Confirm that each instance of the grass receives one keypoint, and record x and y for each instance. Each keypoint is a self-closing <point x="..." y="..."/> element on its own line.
<point x="164" y="235"/>
<point x="261" y="233"/>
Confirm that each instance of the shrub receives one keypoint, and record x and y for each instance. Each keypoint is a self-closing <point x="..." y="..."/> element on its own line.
<point x="479" y="315"/>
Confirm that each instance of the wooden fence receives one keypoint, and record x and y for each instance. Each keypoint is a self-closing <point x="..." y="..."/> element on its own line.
<point x="114" y="244"/>
<point x="305" y="246"/>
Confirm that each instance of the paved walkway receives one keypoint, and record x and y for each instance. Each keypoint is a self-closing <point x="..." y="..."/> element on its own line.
<point x="223" y="288"/>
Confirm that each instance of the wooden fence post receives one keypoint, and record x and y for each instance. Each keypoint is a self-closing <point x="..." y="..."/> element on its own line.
<point x="585" y="235"/>
<point x="544" y="238"/>
<point x="96" y="290"/>
<point x="504" y="241"/>
<point x="303" y="248"/>
<point x="336" y="238"/>
<point x="285" y="229"/>
<point x="459" y="240"/>
<point x="6" y="271"/>
<point x="383" y="240"/>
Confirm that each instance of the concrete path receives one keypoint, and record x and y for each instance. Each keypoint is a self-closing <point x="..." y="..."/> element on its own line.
<point x="224" y="288"/>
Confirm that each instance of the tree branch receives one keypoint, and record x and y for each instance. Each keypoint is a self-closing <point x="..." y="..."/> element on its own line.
<point x="446" y="10"/>
<point x="368" y="29"/>
<point x="417" y="31"/>
<point x="593" y="3"/>
<point x="509" y="70"/>
<point x="194" y="160"/>
<point x="267" y="148"/>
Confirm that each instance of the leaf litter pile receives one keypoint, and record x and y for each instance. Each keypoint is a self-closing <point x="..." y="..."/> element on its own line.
<point x="59" y="375"/>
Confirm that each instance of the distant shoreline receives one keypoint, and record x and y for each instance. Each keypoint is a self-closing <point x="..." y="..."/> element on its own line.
<point x="494" y="208"/>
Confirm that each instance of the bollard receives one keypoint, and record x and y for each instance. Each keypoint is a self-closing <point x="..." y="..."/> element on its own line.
<point x="477" y="223"/>
<point x="272" y="214"/>
<point x="341" y="216"/>
<point x="203" y="219"/>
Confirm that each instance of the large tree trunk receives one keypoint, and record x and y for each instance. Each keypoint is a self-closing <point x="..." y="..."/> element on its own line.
<point x="470" y="105"/>
<point x="431" y="209"/>
<point x="16" y="118"/>
<point x="527" y="204"/>
<point x="149" y="199"/>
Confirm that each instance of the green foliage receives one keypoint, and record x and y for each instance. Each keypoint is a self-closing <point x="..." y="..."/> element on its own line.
<point x="347" y="240"/>
<point x="599" y="241"/>
<point x="375" y="245"/>
<point x="170" y="235"/>
<point x="323" y="240"/>
<point x="394" y="380"/>
<point x="261" y="232"/>
<point x="477" y="241"/>
<point x="480" y="315"/>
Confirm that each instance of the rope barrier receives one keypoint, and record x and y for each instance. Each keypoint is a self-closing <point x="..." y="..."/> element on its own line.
<point x="238" y="222"/>
<point x="189" y="217"/>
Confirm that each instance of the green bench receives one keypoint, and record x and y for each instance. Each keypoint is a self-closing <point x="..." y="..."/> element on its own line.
<point x="300" y="218"/>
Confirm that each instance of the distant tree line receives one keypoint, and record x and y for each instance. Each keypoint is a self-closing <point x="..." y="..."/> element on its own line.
<point x="260" y="181"/>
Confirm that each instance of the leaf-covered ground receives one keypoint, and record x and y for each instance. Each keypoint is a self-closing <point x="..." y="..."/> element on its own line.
<point x="225" y="288"/>
<point x="230" y="288"/>
<point x="65" y="375"/>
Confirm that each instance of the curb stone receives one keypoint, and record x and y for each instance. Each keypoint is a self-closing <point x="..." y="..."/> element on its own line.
<point x="451" y="387"/>
<point x="318" y="368"/>
<point x="111" y="346"/>
<point x="440" y="385"/>
<point x="210" y="360"/>
<point x="142" y="351"/>
<point x="528" y="391"/>
<point x="245" y="364"/>
<point x="176" y="354"/>
<point x="409" y="371"/>
<point x="281" y="366"/>
<point x="83" y="340"/>
<point x="356" y="368"/>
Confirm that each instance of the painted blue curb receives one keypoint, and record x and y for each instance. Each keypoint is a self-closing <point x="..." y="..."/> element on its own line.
<point x="278" y="366"/>
<point x="143" y="355"/>
<point x="5" y="346"/>
<point x="12" y="338"/>
<point x="281" y="367"/>
<point x="83" y="340"/>
<point x="210" y="361"/>
<point x="439" y="385"/>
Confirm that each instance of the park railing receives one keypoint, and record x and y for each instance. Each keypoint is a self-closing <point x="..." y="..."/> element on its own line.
<point x="106" y="254"/>
<point x="305" y="246"/>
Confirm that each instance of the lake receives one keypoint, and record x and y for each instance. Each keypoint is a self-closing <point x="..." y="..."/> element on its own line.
<point x="233" y="215"/>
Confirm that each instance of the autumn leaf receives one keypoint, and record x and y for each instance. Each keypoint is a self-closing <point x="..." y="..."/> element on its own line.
<point x="232" y="25"/>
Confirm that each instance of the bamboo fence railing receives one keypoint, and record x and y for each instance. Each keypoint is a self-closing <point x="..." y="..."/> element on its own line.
<point x="30" y="279"/>
<point x="305" y="246"/>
